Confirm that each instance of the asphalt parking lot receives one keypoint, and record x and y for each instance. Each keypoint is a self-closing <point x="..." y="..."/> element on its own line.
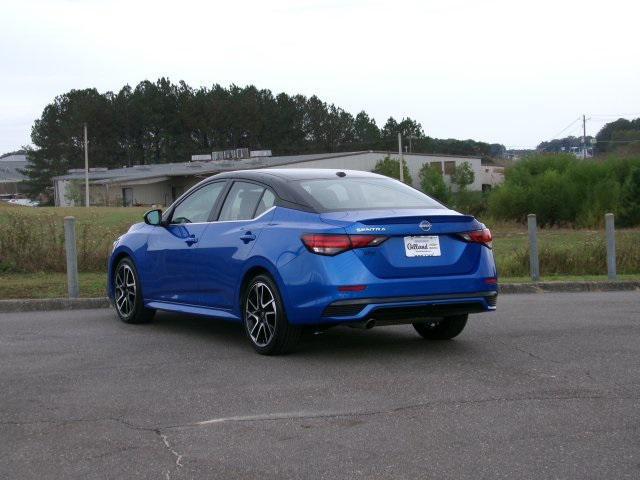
<point x="547" y="387"/>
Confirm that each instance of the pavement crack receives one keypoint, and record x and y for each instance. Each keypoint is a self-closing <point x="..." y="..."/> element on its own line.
<point x="531" y="354"/>
<point x="167" y="445"/>
<point x="319" y="415"/>
<point x="388" y="411"/>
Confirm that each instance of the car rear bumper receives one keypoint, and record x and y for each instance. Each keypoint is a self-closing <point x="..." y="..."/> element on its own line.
<point x="313" y="289"/>
<point x="392" y="310"/>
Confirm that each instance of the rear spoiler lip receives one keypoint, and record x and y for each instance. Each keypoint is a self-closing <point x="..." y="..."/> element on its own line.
<point x="352" y="216"/>
<point x="417" y="218"/>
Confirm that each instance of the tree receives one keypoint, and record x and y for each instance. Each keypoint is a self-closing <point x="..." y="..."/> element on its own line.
<point x="566" y="144"/>
<point x="159" y="122"/>
<point x="391" y="168"/>
<point x="366" y="132"/>
<point x="606" y="137"/>
<point x="463" y="176"/>
<point x="407" y="128"/>
<point x="432" y="183"/>
<point x="630" y="201"/>
<point x="497" y="150"/>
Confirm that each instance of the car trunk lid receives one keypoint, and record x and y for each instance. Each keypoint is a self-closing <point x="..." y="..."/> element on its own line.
<point x="402" y="254"/>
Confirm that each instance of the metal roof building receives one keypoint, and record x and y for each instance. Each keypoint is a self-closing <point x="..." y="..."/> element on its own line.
<point x="160" y="184"/>
<point x="10" y="175"/>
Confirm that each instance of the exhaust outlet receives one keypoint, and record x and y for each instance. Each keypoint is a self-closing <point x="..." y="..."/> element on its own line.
<point x="364" y="325"/>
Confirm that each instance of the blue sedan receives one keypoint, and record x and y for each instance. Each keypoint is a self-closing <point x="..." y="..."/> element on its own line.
<point x="283" y="249"/>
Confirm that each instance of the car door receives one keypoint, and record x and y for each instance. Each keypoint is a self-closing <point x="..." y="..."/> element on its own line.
<point x="173" y="266"/>
<point x="227" y="242"/>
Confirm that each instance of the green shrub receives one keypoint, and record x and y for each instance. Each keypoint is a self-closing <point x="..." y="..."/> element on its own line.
<point x="469" y="203"/>
<point x="463" y="176"/>
<point x="432" y="183"/>
<point x="391" y="168"/>
<point x="563" y="190"/>
<point x="630" y="199"/>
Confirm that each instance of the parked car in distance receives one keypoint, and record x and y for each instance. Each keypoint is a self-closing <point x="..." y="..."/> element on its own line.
<point x="283" y="249"/>
<point x="24" y="202"/>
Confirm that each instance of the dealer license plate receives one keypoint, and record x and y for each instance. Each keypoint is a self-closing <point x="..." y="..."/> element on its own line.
<point x="422" y="246"/>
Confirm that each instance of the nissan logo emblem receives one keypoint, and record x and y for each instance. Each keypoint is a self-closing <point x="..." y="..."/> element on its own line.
<point x="425" y="226"/>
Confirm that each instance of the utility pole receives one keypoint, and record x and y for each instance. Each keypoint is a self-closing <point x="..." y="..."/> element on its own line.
<point x="401" y="157"/>
<point x="86" y="168"/>
<point x="584" y="137"/>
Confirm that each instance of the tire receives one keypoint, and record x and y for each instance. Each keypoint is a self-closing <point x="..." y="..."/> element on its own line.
<point x="445" y="329"/>
<point x="128" y="300"/>
<point x="265" y="320"/>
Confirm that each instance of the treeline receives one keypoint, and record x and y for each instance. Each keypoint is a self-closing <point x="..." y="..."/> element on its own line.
<point x="158" y="122"/>
<point x="618" y="135"/>
<point x="566" y="144"/>
<point x="563" y="190"/>
<point x="621" y="135"/>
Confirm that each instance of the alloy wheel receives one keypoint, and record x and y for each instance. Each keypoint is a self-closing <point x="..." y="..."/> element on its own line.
<point x="125" y="286"/>
<point x="261" y="314"/>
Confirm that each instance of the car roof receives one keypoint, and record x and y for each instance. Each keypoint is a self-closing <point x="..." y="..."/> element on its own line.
<point x="289" y="174"/>
<point x="279" y="180"/>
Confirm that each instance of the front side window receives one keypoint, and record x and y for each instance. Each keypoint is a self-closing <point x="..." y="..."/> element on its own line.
<point x="197" y="206"/>
<point x="365" y="194"/>
<point x="242" y="201"/>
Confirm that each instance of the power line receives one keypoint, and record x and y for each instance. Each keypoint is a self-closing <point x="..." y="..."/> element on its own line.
<point x="565" y="128"/>
<point x="618" y="115"/>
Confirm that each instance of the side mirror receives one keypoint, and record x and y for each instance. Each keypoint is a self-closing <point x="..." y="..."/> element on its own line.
<point x="153" y="217"/>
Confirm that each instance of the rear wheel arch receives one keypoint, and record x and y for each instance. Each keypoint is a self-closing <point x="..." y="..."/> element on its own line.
<point x="252" y="272"/>
<point x="266" y="316"/>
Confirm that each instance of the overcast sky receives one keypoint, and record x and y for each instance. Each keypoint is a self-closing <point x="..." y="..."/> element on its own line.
<point x="513" y="72"/>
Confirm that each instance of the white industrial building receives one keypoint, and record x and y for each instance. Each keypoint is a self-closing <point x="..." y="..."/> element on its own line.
<point x="161" y="184"/>
<point x="11" y="176"/>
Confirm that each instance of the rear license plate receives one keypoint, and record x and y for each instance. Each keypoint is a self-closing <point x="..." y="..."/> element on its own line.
<point x="422" y="246"/>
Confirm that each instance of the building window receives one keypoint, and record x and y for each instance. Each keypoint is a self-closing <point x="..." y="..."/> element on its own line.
<point x="436" y="165"/>
<point x="127" y="197"/>
<point x="176" y="192"/>
<point x="449" y="168"/>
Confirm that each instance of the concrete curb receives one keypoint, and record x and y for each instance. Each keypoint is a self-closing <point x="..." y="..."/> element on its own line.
<point x="34" y="305"/>
<point x="593" y="286"/>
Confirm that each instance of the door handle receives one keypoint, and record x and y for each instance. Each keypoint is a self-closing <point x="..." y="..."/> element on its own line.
<point x="191" y="240"/>
<point x="247" y="237"/>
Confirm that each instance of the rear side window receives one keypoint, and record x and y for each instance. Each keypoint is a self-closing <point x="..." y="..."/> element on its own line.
<point x="197" y="206"/>
<point x="365" y="194"/>
<point x="241" y="202"/>
<point x="267" y="201"/>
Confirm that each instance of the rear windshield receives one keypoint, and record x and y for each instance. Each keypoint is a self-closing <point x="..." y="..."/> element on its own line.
<point x="365" y="194"/>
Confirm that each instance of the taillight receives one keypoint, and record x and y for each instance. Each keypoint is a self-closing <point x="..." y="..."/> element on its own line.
<point x="330" y="244"/>
<point x="479" y="236"/>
